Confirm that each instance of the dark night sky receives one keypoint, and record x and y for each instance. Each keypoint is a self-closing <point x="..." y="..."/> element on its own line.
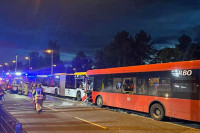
<point x="89" y="25"/>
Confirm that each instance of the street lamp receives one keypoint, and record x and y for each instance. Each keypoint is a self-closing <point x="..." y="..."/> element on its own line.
<point x="6" y="64"/>
<point x="75" y="76"/>
<point x="14" y="61"/>
<point x="2" y="68"/>
<point x="51" y="52"/>
<point x="29" y="63"/>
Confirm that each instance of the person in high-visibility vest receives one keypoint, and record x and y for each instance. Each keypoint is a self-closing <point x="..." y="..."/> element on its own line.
<point x="1" y="95"/>
<point x="38" y="94"/>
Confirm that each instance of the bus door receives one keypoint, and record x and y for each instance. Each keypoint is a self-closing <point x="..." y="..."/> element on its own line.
<point x="117" y="89"/>
<point x="62" y="85"/>
<point x="128" y="90"/>
<point x="69" y="85"/>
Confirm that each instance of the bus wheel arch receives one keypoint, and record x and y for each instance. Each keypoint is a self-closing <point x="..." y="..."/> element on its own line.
<point x="78" y="96"/>
<point x="157" y="110"/>
<point x="99" y="101"/>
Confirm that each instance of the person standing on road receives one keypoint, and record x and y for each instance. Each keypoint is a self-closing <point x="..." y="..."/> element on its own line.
<point x="36" y="96"/>
<point x="1" y="95"/>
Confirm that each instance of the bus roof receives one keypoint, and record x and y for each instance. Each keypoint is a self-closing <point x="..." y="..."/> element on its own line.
<point x="76" y="73"/>
<point x="195" y="64"/>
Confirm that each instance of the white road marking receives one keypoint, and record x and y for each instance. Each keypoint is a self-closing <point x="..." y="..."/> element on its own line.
<point x="50" y="108"/>
<point x="91" y="123"/>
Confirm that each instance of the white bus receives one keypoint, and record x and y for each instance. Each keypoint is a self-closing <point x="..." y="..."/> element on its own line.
<point x="63" y="84"/>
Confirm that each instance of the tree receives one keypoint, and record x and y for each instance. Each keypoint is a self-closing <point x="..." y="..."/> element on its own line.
<point x="116" y="53"/>
<point x="53" y="45"/>
<point x="142" y="48"/>
<point x="185" y="42"/>
<point x="81" y="62"/>
<point x="59" y="65"/>
<point x="124" y="51"/>
<point x="168" y="55"/>
<point x="36" y="60"/>
<point x="194" y="52"/>
<point x="100" y="61"/>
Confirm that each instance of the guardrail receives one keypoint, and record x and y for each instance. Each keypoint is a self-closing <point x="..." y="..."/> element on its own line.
<point x="8" y="124"/>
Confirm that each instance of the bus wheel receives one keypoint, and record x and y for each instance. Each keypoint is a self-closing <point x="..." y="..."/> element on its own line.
<point x="99" y="101"/>
<point x="157" y="112"/>
<point x="78" y="96"/>
<point x="56" y="92"/>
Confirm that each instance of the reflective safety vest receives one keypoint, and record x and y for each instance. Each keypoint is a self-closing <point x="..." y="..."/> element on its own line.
<point x="38" y="93"/>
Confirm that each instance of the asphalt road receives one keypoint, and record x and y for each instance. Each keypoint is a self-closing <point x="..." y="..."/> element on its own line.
<point x="64" y="115"/>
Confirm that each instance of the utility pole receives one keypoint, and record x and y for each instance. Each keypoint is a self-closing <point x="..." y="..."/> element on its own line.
<point x="16" y="63"/>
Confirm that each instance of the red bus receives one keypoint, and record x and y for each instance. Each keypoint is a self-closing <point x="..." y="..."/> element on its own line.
<point x="166" y="89"/>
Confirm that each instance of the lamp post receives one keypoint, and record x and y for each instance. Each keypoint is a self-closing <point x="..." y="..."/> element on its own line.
<point x="16" y="63"/>
<point x="51" y="52"/>
<point x="29" y="63"/>
<point x="6" y="64"/>
<point x="75" y="76"/>
<point x="2" y="69"/>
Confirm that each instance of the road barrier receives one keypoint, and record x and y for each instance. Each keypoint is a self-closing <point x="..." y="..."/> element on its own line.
<point x="8" y="124"/>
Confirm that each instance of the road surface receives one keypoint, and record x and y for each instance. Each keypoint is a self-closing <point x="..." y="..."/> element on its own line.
<point x="64" y="115"/>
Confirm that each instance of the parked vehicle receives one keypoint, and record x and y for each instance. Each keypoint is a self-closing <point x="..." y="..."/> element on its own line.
<point x="166" y="89"/>
<point x="15" y="84"/>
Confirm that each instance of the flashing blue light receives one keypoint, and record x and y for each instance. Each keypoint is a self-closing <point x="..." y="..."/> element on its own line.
<point x="18" y="73"/>
<point x="32" y="76"/>
<point x="26" y="74"/>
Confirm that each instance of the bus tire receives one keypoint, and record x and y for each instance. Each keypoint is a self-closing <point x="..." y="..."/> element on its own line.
<point x="78" y="96"/>
<point x="56" y="92"/>
<point x="99" y="101"/>
<point x="157" y="112"/>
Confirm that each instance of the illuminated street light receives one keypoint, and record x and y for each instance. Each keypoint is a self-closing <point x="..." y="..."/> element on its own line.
<point x="75" y="76"/>
<point x="54" y="65"/>
<point x="14" y="61"/>
<point x="7" y="66"/>
<point x="29" y="63"/>
<point x="50" y="52"/>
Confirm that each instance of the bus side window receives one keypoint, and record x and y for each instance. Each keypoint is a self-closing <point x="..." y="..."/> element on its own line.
<point x="153" y="86"/>
<point x="117" y="85"/>
<point x="107" y="84"/>
<point x="98" y="80"/>
<point x="128" y="85"/>
<point x="141" y="87"/>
